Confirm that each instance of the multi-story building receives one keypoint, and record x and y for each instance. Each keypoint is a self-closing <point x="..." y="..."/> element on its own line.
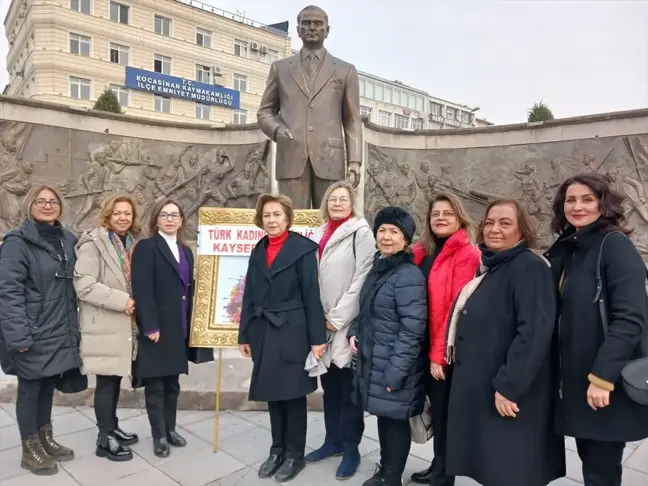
<point x="396" y="105"/>
<point x="178" y="60"/>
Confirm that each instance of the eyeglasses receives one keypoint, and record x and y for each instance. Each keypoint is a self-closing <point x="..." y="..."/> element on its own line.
<point x="443" y="215"/>
<point x="171" y="216"/>
<point x="41" y="203"/>
<point x="335" y="200"/>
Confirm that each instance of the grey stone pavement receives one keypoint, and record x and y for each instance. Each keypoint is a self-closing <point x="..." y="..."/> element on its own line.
<point x="244" y="443"/>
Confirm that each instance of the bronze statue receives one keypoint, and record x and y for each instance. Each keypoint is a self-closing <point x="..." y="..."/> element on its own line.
<point x="308" y="100"/>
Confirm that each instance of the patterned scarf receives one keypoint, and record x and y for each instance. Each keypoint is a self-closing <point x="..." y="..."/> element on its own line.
<point x="124" y="254"/>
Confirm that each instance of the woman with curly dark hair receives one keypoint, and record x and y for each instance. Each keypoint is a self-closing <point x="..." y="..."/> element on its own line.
<point x="592" y="406"/>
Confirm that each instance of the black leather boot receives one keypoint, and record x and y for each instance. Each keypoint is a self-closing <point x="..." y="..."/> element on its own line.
<point x="423" y="477"/>
<point x="175" y="439"/>
<point x="289" y="469"/>
<point x="108" y="446"/>
<point x="125" y="438"/>
<point x="161" y="447"/>
<point x="270" y="466"/>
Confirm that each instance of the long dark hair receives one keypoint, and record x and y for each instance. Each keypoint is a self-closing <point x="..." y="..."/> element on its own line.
<point x="610" y="202"/>
<point x="153" y="226"/>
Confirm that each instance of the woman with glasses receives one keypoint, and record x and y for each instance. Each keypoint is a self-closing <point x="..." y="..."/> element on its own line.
<point x="102" y="279"/>
<point x="39" y="322"/>
<point x="162" y="284"/>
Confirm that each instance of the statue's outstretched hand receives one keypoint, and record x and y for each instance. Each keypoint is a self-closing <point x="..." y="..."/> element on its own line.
<point x="283" y="133"/>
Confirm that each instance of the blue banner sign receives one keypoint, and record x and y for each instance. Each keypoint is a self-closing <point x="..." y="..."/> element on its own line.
<point x="165" y="85"/>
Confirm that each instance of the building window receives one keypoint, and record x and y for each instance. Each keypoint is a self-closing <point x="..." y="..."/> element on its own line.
<point x="202" y="111"/>
<point x="240" y="83"/>
<point x="365" y="111"/>
<point x="119" y="13"/>
<point x="79" y="44"/>
<point x="162" y="64"/>
<point x="82" y="6"/>
<point x="363" y="86"/>
<point x="412" y="102"/>
<point x="162" y="104"/>
<point x="162" y="26"/>
<point x="379" y="91"/>
<point x="203" y="37"/>
<point x="203" y="74"/>
<point x="397" y="97"/>
<point x="119" y="54"/>
<point x="240" y="48"/>
<point x="418" y="123"/>
<point x="121" y="93"/>
<point x="369" y="91"/>
<point x="388" y="95"/>
<point x="465" y="117"/>
<point x="272" y="56"/>
<point x="240" y="117"/>
<point x="79" y="88"/>
<point x="401" y="121"/>
<point x="385" y="118"/>
<point x="450" y="113"/>
<point x="435" y="108"/>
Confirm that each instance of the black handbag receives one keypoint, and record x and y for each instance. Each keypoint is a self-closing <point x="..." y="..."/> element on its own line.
<point x="72" y="381"/>
<point x="634" y="375"/>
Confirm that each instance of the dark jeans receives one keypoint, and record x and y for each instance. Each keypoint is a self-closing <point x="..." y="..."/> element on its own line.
<point x="343" y="420"/>
<point x="161" y="396"/>
<point x="105" y="402"/>
<point x="439" y="395"/>
<point x="288" y="425"/>
<point x="395" y="441"/>
<point x="601" y="462"/>
<point x="34" y="405"/>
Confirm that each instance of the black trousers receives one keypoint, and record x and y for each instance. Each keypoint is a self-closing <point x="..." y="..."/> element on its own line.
<point x="288" y="426"/>
<point x="106" y="398"/>
<point x="161" y="397"/>
<point x="601" y="462"/>
<point x="343" y="420"/>
<point x="439" y="395"/>
<point x="34" y="405"/>
<point x="395" y="440"/>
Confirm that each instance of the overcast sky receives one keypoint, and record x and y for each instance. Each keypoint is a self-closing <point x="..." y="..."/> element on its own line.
<point x="580" y="57"/>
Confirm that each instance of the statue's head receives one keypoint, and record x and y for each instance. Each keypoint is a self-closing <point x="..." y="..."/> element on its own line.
<point x="312" y="26"/>
<point x="425" y="166"/>
<point x="445" y="169"/>
<point x="404" y="169"/>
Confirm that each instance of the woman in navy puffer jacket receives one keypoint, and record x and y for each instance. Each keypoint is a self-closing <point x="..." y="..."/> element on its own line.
<point x="387" y="336"/>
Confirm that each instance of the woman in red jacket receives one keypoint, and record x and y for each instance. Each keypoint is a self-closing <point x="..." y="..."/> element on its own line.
<point x="449" y="260"/>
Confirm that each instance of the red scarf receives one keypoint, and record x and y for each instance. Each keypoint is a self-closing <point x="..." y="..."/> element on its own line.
<point x="274" y="245"/>
<point x="331" y="226"/>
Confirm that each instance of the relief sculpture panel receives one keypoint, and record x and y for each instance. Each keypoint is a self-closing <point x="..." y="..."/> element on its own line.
<point x="530" y="173"/>
<point x="88" y="167"/>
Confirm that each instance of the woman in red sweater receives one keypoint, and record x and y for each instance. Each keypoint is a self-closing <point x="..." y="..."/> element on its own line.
<point x="449" y="260"/>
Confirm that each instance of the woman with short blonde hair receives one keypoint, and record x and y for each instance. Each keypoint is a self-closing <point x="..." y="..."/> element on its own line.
<point x="39" y="326"/>
<point x="346" y="247"/>
<point x="102" y="278"/>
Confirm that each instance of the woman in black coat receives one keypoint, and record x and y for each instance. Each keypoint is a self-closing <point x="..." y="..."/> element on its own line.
<point x="499" y="340"/>
<point x="592" y="405"/>
<point x="39" y="324"/>
<point x="162" y="283"/>
<point x="387" y="336"/>
<point x="282" y="321"/>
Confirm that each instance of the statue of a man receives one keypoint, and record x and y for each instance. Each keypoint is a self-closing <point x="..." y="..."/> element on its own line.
<point x="311" y="109"/>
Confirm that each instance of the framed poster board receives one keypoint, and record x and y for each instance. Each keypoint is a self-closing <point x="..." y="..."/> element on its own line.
<point x="226" y="237"/>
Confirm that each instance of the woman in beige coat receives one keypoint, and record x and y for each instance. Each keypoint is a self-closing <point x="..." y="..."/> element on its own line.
<point x="103" y="285"/>
<point x="347" y="248"/>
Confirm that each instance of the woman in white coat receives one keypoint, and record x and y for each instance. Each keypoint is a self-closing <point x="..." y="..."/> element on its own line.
<point x="347" y="248"/>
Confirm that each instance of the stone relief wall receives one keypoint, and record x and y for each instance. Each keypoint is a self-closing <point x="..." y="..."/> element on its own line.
<point x="530" y="173"/>
<point x="88" y="167"/>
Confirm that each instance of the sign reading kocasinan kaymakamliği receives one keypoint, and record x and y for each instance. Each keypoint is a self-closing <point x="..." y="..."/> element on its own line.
<point x="172" y="86"/>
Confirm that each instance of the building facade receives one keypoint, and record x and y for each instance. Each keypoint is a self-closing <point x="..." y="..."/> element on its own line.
<point x="396" y="105"/>
<point x="177" y="60"/>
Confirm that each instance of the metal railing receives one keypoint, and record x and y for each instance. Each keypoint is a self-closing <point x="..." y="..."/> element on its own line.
<point x="232" y="16"/>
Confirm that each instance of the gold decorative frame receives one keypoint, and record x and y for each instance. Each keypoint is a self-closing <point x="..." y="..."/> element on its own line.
<point x="205" y="333"/>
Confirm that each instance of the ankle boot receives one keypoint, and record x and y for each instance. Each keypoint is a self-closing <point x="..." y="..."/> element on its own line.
<point x="55" y="450"/>
<point x="35" y="459"/>
<point x="108" y="446"/>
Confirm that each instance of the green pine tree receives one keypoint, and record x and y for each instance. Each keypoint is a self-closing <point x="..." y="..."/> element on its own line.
<point x="539" y="112"/>
<point x="108" y="102"/>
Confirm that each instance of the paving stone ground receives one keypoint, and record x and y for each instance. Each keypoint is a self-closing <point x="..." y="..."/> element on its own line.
<point x="244" y="443"/>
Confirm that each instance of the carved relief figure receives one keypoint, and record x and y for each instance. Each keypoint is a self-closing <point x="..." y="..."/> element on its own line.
<point x="406" y="191"/>
<point x="636" y="192"/>
<point x="93" y="187"/>
<point x="311" y="108"/>
<point x="211" y="181"/>
<point x="14" y="185"/>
